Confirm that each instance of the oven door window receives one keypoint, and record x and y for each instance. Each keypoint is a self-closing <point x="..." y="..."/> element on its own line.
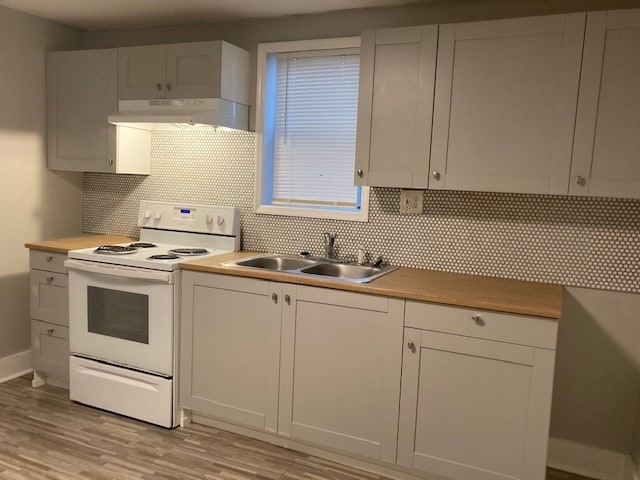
<point x="118" y="314"/>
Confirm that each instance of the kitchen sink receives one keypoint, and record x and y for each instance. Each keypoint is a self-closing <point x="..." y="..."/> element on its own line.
<point x="313" y="267"/>
<point x="274" y="262"/>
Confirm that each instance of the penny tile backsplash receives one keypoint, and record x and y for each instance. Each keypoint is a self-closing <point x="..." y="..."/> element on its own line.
<point x="578" y="241"/>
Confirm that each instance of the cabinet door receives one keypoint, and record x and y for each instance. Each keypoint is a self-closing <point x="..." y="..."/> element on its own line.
<point x="50" y="349"/>
<point x="81" y="93"/>
<point x="49" y="297"/>
<point x="395" y="106"/>
<point x="340" y="374"/>
<point x="142" y="72"/>
<point x="606" y="155"/>
<point x="474" y="409"/>
<point x="505" y="104"/>
<point x="230" y="348"/>
<point x="193" y="70"/>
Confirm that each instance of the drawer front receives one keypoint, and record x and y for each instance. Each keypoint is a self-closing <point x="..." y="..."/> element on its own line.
<point x="49" y="297"/>
<point x="50" y="349"/>
<point x="503" y="327"/>
<point x="49" y="261"/>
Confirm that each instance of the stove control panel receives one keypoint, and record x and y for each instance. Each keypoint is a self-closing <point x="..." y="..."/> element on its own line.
<point x="189" y="218"/>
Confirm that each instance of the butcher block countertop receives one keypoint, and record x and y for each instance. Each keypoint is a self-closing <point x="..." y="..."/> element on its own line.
<point x="63" y="245"/>
<point x="474" y="291"/>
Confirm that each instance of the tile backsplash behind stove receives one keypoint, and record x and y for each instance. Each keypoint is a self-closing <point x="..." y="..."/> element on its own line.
<point x="579" y="241"/>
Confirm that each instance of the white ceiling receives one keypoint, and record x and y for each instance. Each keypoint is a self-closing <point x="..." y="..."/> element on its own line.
<point x="122" y="14"/>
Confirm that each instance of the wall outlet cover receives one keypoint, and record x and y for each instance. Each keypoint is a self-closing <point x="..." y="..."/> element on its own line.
<point x="411" y="201"/>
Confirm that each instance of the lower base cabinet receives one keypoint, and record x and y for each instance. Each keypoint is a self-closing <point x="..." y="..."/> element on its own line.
<point x="433" y="389"/>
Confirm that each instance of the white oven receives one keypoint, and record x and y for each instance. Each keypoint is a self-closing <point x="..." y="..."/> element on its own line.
<point x="123" y="315"/>
<point x="124" y="305"/>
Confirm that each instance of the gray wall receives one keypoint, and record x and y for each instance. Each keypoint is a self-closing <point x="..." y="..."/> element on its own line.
<point x="36" y="202"/>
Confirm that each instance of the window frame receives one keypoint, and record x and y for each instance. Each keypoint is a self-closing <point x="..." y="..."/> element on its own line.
<point x="265" y="51"/>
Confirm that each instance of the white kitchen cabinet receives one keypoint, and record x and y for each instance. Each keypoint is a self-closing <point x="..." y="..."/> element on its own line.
<point x="230" y="348"/>
<point x="214" y="69"/>
<point x="49" y="302"/>
<point x="395" y="106"/>
<point x="476" y="393"/>
<point x="606" y="155"/>
<point x="505" y="104"/>
<point x="340" y="370"/>
<point x="81" y="94"/>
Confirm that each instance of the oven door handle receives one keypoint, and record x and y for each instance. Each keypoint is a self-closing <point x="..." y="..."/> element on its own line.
<point x="119" y="271"/>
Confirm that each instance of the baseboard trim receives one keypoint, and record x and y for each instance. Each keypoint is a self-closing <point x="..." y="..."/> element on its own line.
<point x="15" y="366"/>
<point x="588" y="461"/>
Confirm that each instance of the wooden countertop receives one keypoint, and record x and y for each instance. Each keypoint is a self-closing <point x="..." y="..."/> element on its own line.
<point x="63" y="245"/>
<point x="489" y="293"/>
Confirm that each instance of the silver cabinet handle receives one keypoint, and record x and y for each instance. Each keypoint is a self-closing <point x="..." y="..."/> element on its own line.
<point x="360" y="172"/>
<point x="581" y="181"/>
<point x="168" y="87"/>
<point x="436" y="175"/>
<point x="287" y="299"/>
<point x="50" y="331"/>
<point x="110" y="160"/>
<point x="274" y="297"/>
<point x="479" y="320"/>
<point x="49" y="279"/>
<point x="158" y="86"/>
<point x="49" y="259"/>
<point x="411" y="346"/>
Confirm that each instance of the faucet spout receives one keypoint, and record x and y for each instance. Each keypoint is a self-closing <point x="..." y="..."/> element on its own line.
<point x="329" y="244"/>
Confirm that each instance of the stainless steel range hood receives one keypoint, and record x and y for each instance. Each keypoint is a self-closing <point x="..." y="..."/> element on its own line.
<point x="179" y="114"/>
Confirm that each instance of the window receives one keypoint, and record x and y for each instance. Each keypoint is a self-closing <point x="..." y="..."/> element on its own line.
<point x="306" y="129"/>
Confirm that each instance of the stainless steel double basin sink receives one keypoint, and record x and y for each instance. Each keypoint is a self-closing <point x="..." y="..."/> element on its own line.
<point x="313" y="267"/>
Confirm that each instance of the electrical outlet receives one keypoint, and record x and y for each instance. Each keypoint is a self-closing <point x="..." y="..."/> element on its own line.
<point x="411" y="201"/>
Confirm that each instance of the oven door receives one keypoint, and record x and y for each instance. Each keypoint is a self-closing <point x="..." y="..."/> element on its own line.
<point x="122" y="315"/>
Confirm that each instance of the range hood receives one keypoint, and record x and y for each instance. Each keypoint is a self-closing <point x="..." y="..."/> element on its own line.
<point x="180" y="114"/>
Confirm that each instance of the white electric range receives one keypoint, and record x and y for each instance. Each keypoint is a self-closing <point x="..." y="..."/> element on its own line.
<point x="124" y="309"/>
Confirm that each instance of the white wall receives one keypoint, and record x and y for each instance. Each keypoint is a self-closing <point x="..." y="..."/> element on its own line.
<point x="36" y="203"/>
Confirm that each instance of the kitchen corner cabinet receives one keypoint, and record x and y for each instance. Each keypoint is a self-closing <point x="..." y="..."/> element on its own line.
<point x="476" y="393"/>
<point x="81" y="94"/>
<point x="505" y="104"/>
<point x="395" y="106"/>
<point x="230" y="348"/>
<point x="606" y="155"/>
<point x="49" y="306"/>
<point x="340" y="370"/>
<point x="214" y="69"/>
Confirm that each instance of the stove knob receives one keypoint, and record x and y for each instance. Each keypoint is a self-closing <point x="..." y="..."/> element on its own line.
<point x="158" y="215"/>
<point x="209" y="219"/>
<point x="220" y="220"/>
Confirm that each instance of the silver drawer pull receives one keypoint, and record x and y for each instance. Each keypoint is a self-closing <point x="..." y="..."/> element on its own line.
<point x="479" y="320"/>
<point x="49" y="279"/>
<point x="50" y="331"/>
<point x="49" y="259"/>
<point x="411" y="346"/>
<point x="287" y="299"/>
<point x="274" y="297"/>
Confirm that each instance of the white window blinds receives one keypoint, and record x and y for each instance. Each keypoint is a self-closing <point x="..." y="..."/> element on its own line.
<point x="316" y="108"/>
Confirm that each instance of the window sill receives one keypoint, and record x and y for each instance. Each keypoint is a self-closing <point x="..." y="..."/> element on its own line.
<point x="362" y="216"/>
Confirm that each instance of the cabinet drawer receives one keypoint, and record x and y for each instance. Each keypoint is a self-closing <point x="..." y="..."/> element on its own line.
<point x="50" y="349"/>
<point x="49" y="261"/>
<point x="504" y="327"/>
<point x="49" y="297"/>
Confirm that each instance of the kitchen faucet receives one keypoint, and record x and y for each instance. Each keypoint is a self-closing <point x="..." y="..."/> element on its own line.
<point x="329" y="244"/>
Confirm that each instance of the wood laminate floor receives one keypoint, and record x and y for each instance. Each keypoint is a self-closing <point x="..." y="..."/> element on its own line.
<point x="43" y="435"/>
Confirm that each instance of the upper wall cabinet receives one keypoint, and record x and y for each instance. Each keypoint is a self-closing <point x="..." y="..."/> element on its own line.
<point x="185" y="70"/>
<point x="505" y="104"/>
<point x="395" y="106"/>
<point x="606" y="155"/>
<point x="81" y="93"/>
